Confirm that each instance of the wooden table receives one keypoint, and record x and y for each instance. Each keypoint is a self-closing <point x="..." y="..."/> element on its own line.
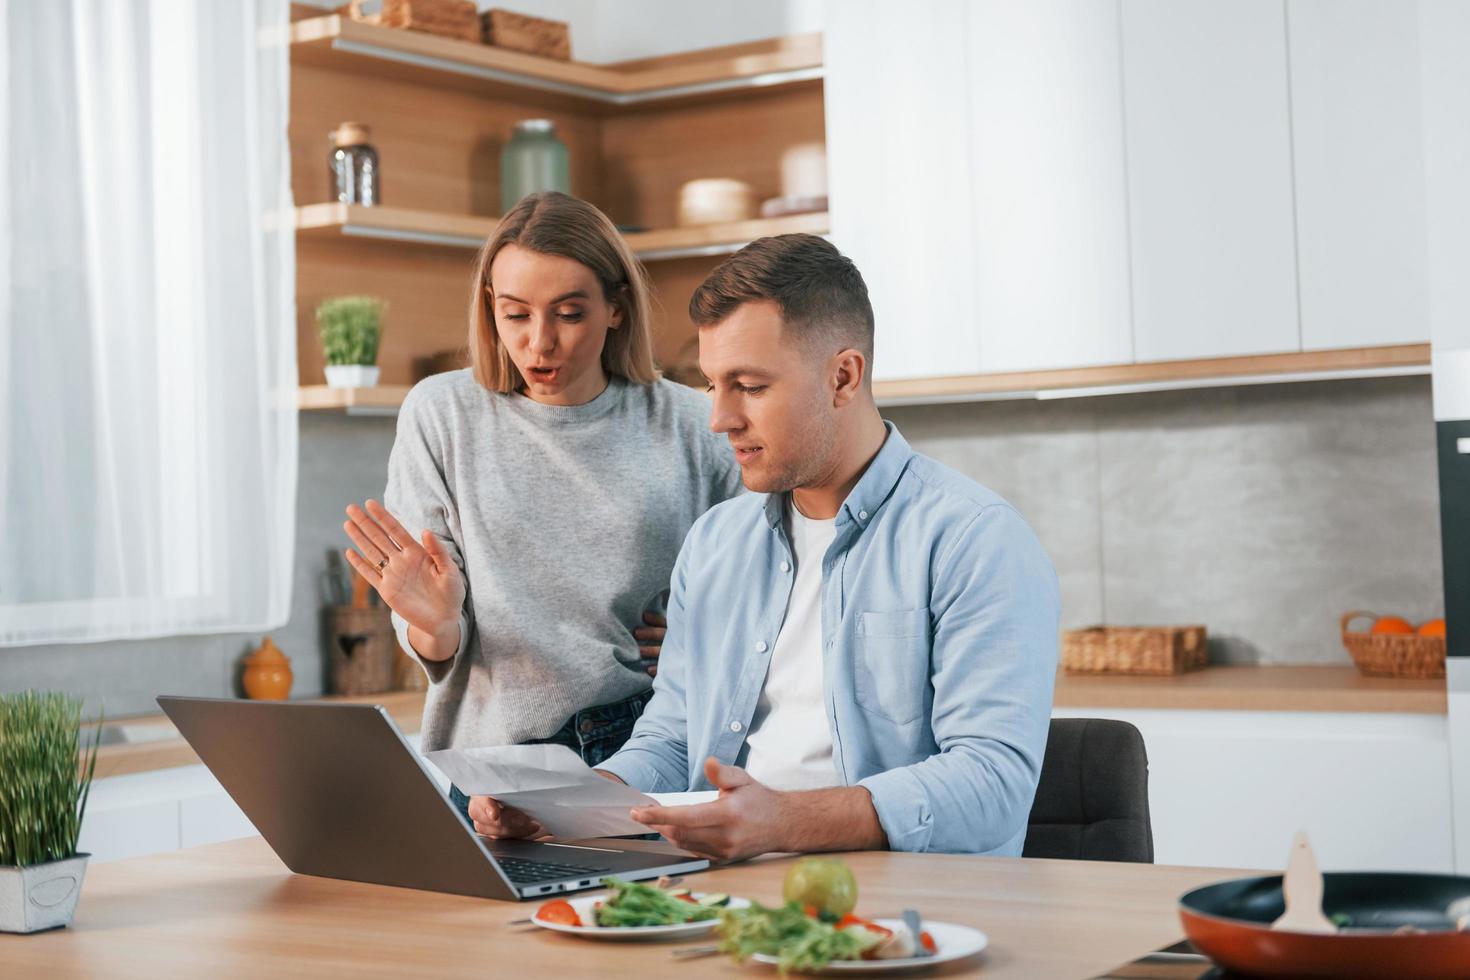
<point x="233" y="910"/>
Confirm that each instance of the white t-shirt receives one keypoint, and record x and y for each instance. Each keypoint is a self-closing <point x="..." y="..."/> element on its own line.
<point x="790" y="743"/>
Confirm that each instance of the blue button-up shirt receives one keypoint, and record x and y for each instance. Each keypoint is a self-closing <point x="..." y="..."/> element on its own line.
<point x="939" y="648"/>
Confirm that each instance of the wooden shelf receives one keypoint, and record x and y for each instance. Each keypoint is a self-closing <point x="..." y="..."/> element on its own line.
<point x="335" y="221"/>
<point x="722" y="239"/>
<point x="383" y="399"/>
<point x="339" y="42"/>
<point x="1358" y="362"/>
<point x="440" y="111"/>
<point x="1255" y="688"/>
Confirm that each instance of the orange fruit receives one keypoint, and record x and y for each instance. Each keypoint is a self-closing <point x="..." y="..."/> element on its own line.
<point x="1435" y="627"/>
<point x="1391" y="624"/>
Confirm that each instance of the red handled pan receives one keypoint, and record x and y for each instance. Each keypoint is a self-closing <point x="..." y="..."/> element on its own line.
<point x="1391" y="927"/>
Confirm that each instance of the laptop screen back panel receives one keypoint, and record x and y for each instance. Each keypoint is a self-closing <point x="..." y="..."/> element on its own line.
<point x="337" y="792"/>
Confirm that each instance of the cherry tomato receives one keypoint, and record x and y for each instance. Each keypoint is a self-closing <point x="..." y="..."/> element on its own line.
<point x="927" y="941"/>
<point x="559" y="912"/>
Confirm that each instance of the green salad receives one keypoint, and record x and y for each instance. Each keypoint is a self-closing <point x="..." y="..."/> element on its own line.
<point x="797" y="940"/>
<point x="635" y="904"/>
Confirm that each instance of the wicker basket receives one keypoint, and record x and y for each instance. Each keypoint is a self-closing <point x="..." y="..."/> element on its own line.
<point x="1392" y="654"/>
<point x="529" y="35"/>
<point x="364" y="650"/>
<point x="447" y="18"/>
<point x="1157" y="650"/>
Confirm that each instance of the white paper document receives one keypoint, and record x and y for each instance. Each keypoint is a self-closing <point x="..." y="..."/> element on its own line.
<point x="555" y="787"/>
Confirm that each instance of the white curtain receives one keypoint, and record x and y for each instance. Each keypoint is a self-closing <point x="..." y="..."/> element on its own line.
<point x="147" y="319"/>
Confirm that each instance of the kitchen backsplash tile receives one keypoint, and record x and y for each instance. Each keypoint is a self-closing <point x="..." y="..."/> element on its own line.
<point x="1264" y="512"/>
<point x="1045" y="463"/>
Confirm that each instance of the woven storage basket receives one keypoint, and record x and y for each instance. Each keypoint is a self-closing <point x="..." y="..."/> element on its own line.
<point x="1158" y="650"/>
<point x="364" y="650"/>
<point x="447" y="18"/>
<point x="1392" y="654"/>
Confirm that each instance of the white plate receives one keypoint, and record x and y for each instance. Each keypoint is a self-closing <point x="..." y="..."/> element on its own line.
<point x="951" y="942"/>
<point x="586" y="904"/>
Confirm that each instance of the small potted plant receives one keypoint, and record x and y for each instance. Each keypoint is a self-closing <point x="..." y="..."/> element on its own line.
<point x="43" y="795"/>
<point x="350" y="327"/>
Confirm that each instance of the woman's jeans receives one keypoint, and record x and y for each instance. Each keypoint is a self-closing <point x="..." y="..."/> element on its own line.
<point x="593" y="733"/>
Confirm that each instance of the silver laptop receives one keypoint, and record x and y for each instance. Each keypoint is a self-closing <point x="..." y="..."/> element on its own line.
<point x="337" y="792"/>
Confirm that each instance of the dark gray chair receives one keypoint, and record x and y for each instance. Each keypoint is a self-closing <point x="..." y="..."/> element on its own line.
<point x="1092" y="801"/>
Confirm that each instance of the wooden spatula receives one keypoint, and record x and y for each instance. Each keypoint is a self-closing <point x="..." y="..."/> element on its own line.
<point x="1302" y="889"/>
<point x="360" y="590"/>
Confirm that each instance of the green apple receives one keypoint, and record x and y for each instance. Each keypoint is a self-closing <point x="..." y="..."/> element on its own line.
<point x="826" y="884"/>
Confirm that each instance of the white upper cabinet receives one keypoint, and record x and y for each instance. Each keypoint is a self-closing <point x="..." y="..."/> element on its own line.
<point x="899" y="178"/>
<point x="1049" y="189"/>
<point x="1209" y="178"/>
<point x="1056" y="184"/>
<point x="1356" y="127"/>
<point x="1444" y="32"/>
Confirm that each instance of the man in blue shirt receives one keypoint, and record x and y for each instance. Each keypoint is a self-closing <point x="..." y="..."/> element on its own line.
<point x="860" y="652"/>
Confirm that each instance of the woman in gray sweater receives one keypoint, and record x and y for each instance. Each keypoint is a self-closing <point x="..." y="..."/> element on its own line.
<point x="537" y="500"/>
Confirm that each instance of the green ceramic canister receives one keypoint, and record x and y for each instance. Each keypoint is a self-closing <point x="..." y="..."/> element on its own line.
<point x="533" y="160"/>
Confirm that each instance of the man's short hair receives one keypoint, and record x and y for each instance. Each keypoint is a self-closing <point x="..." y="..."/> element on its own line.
<point x="821" y="294"/>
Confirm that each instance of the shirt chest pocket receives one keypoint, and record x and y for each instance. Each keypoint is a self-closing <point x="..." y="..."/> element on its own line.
<point x="892" y="664"/>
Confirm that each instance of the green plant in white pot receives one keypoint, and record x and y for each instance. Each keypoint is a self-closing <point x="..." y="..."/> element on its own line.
<point x="44" y="785"/>
<point x="350" y="327"/>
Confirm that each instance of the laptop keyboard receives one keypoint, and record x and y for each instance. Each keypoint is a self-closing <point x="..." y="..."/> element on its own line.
<point x="524" y="872"/>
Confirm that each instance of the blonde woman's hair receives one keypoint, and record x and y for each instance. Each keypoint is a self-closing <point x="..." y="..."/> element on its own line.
<point x="558" y="224"/>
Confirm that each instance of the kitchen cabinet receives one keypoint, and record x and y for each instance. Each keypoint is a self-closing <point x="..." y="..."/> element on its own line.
<point x="900" y="178"/>
<point x="1050" y="206"/>
<point x="1230" y="788"/>
<point x="1209" y="178"/>
<point x="980" y="187"/>
<point x="1444" y="37"/>
<point x="1080" y="194"/>
<point x="1357" y="141"/>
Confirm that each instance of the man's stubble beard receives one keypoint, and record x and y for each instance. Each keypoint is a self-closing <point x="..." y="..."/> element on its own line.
<point x="810" y="463"/>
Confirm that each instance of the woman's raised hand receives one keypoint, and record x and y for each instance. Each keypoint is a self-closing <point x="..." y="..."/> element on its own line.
<point x="420" y="582"/>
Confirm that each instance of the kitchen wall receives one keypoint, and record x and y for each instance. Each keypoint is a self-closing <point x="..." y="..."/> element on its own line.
<point x="1263" y="512"/>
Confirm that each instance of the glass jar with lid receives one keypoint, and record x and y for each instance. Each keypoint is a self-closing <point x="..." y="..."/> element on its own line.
<point x="533" y="160"/>
<point x="354" y="166"/>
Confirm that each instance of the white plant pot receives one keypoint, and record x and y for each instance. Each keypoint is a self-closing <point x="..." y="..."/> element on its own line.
<point x="41" y="896"/>
<point x="352" y="375"/>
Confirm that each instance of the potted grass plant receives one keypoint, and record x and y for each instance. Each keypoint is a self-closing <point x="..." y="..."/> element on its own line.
<point x="350" y="327"/>
<point x="44" y="783"/>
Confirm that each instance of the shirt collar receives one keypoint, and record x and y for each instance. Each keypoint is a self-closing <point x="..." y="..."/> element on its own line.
<point x="872" y="488"/>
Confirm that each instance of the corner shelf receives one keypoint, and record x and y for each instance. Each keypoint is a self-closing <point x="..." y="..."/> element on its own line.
<point x="339" y="42"/>
<point x="336" y="221"/>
